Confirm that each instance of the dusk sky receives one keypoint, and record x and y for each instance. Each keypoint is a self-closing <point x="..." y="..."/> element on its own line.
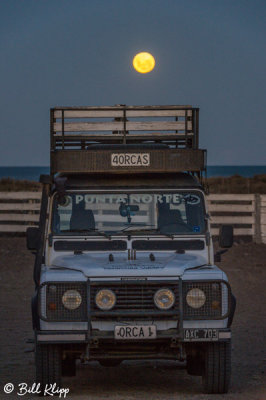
<point x="210" y="54"/>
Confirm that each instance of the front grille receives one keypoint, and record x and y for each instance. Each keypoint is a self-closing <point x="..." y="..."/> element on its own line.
<point x="135" y="299"/>
<point x="217" y="293"/>
<point x="52" y="293"/>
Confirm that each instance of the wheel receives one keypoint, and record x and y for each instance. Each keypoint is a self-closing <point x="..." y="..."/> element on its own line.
<point x="69" y="366"/>
<point x="48" y="362"/>
<point x="195" y="365"/>
<point x="110" y="362"/>
<point x="217" y="367"/>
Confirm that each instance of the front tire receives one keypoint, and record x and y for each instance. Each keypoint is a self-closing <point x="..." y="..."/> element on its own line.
<point x="69" y="366"/>
<point x="195" y="365"/>
<point x="217" y="367"/>
<point x="48" y="362"/>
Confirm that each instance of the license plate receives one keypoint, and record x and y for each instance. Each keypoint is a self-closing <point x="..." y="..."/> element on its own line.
<point x="130" y="159"/>
<point x="200" y="334"/>
<point x="135" y="332"/>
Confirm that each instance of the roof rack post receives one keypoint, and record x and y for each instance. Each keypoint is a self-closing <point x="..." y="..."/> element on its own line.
<point x="52" y="140"/>
<point x="176" y="142"/>
<point x="197" y="129"/>
<point x="193" y="129"/>
<point x="63" y="129"/>
<point x="52" y="144"/>
<point x="124" y="125"/>
<point x="186" y="128"/>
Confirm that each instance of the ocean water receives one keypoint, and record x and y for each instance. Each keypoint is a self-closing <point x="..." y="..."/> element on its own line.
<point x="247" y="171"/>
<point x="33" y="173"/>
<point x="21" y="173"/>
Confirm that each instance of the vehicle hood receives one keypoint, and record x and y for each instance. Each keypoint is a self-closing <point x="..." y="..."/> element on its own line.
<point x="98" y="264"/>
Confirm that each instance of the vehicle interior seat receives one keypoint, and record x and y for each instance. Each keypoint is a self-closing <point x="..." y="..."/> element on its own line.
<point x="170" y="217"/>
<point x="82" y="219"/>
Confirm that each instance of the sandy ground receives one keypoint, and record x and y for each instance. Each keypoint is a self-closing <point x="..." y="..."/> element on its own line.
<point x="245" y="265"/>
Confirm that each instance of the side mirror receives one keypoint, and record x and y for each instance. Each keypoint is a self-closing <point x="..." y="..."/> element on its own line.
<point x="226" y="236"/>
<point x="33" y="236"/>
<point x="217" y="256"/>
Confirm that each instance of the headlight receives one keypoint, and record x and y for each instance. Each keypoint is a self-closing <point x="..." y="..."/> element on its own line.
<point x="195" y="298"/>
<point x="164" y="299"/>
<point x="105" y="299"/>
<point x="71" y="299"/>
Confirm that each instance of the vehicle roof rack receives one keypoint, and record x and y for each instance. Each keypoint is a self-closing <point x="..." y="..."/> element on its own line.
<point x="83" y="138"/>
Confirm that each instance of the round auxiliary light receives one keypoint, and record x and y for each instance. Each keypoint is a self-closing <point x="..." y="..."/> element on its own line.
<point x="71" y="299"/>
<point x="105" y="299"/>
<point x="164" y="299"/>
<point x="195" y="298"/>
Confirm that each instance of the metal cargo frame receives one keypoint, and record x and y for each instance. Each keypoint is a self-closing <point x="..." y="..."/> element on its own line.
<point x="83" y="139"/>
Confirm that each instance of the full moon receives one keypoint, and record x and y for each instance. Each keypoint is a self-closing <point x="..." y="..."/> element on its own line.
<point x="144" y="62"/>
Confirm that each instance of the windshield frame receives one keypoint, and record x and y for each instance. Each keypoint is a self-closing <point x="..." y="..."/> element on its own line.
<point x="127" y="232"/>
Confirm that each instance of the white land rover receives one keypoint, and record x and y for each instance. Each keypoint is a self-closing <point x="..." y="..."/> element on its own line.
<point x="124" y="265"/>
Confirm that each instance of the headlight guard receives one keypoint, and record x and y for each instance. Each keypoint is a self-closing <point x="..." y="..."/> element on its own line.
<point x="217" y="300"/>
<point x="53" y="295"/>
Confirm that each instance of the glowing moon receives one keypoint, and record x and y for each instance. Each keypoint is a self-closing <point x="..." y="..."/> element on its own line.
<point x="143" y="62"/>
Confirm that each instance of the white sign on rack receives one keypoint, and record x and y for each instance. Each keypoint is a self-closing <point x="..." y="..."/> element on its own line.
<point x="130" y="159"/>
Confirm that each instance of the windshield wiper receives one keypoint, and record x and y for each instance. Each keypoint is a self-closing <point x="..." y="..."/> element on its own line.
<point x="130" y="225"/>
<point x="88" y="230"/>
<point x="143" y="230"/>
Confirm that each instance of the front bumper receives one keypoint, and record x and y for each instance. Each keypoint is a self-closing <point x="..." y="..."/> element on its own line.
<point x="171" y="335"/>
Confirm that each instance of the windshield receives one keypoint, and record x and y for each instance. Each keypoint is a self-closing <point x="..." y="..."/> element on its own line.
<point x="106" y="214"/>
